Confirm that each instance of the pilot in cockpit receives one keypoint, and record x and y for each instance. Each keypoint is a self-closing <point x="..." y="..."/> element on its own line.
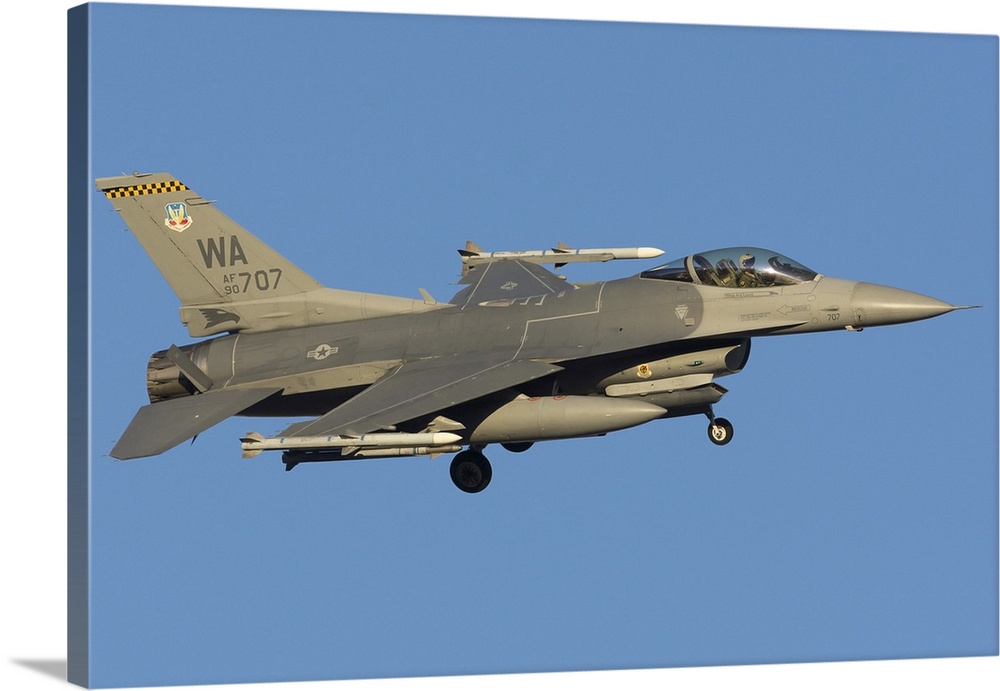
<point x="750" y="277"/>
<point x="747" y="277"/>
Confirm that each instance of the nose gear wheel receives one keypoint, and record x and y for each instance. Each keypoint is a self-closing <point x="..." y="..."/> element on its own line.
<point x="720" y="431"/>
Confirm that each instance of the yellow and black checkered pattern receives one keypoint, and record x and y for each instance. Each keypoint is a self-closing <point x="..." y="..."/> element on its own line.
<point x="151" y="188"/>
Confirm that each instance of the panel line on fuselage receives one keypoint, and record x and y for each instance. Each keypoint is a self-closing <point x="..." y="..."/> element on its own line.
<point x="529" y="322"/>
<point x="232" y="360"/>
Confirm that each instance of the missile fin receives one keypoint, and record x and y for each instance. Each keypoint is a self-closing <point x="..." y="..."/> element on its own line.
<point x="251" y="438"/>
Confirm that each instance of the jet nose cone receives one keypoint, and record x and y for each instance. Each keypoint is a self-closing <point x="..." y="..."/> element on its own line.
<point x="876" y="305"/>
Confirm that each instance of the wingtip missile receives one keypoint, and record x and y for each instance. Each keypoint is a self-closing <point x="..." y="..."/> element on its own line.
<point x="648" y="252"/>
<point x="474" y="255"/>
<point x="616" y="252"/>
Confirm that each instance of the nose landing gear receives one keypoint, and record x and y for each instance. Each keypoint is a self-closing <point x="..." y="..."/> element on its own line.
<point x="720" y="430"/>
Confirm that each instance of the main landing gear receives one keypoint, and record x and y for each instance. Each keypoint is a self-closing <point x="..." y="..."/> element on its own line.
<point x="471" y="471"/>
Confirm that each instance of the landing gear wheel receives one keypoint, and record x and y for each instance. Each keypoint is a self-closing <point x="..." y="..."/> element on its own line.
<point x="471" y="471"/>
<point x="720" y="431"/>
<point x="517" y="446"/>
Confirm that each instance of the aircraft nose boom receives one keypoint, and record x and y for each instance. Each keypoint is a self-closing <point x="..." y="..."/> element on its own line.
<point x="876" y="305"/>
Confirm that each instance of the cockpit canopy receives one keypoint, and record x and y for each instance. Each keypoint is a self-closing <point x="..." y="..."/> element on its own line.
<point x="734" y="267"/>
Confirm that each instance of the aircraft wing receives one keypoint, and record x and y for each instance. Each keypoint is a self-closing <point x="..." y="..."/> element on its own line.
<point x="420" y="388"/>
<point x="163" y="425"/>
<point x="507" y="280"/>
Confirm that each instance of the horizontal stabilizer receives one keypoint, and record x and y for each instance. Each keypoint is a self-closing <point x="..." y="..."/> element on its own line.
<point x="160" y="426"/>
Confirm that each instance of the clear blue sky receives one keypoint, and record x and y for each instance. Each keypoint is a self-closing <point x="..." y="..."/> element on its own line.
<point x="853" y="516"/>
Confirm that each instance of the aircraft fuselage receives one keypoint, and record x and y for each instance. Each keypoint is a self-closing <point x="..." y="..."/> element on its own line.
<point x="611" y="325"/>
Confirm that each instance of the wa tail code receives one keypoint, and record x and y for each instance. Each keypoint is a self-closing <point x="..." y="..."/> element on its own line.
<point x="215" y="251"/>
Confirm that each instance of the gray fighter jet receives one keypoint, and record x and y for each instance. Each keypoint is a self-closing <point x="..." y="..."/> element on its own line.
<point x="518" y="355"/>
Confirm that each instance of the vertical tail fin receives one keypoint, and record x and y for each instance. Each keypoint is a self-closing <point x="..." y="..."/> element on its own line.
<point x="227" y="279"/>
<point x="205" y="256"/>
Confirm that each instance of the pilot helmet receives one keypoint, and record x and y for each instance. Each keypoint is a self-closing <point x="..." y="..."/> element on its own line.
<point x="746" y="261"/>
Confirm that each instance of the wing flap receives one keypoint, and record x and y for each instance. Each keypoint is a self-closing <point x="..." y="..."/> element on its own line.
<point x="160" y="426"/>
<point x="421" y="388"/>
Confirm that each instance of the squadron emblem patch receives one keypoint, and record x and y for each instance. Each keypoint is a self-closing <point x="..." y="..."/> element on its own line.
<point x="177" y="217"/>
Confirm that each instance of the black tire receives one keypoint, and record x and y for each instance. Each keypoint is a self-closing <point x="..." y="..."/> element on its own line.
<point x="517" y="446"/>
<point x="471" y="471"/>
<point x="720" y="431"/>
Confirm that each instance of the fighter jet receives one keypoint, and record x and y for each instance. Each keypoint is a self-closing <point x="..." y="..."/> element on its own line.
<point x="519" y="355"/>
